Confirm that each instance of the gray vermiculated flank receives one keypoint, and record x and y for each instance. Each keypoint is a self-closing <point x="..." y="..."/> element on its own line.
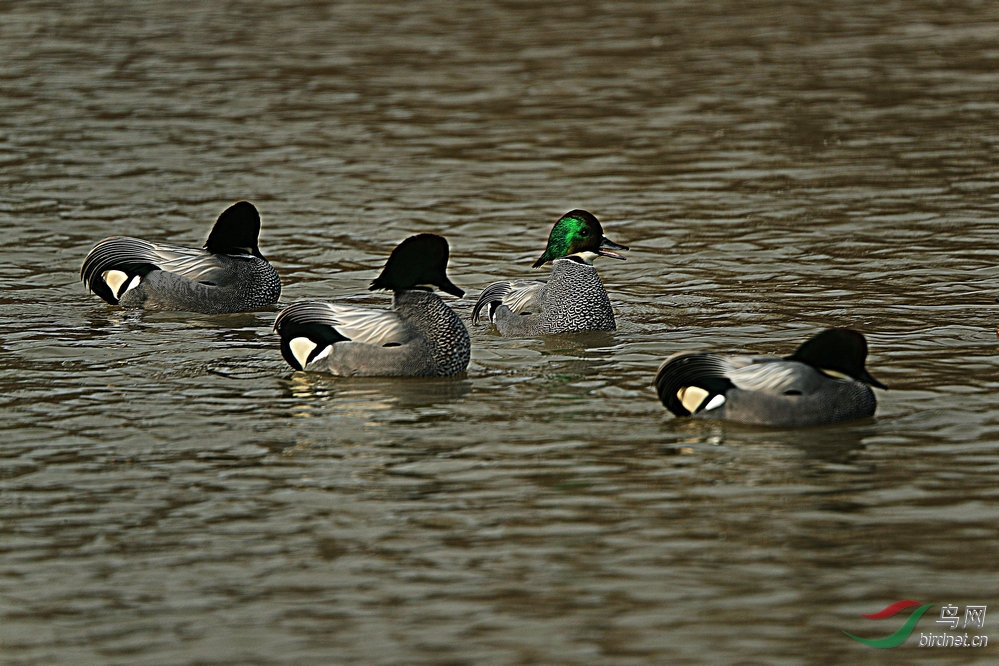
<point x="573" y="300"/>
<point x="833" y="402"/>
<point x="450" y="346"/>
<point x="248" y="283"/>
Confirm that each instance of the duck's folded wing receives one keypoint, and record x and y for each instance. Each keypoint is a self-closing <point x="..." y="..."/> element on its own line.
<point x="308" y="330"/>
<point x="521" y="296"/>
<point x="117" y="264"/>
<point x="769" y="375"/>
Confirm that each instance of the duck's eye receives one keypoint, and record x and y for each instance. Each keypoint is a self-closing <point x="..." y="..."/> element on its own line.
<point x="584" y="233"/>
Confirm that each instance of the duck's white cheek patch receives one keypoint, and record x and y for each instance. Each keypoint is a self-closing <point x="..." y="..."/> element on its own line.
<point x="691" y="397"/>
<point x="300" y="349"/>
<point x="324" y="353"/>
<point x="587" y="256"/>
<point x="836" y="374"/>
<point x="114" y="279"/>
<point x="715" y="403"/>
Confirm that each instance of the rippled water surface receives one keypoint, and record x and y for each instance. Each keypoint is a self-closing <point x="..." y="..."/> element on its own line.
<point x="170" y="491"/>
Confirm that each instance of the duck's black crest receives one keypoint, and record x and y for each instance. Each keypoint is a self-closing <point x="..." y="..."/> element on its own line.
<point x="236" y="231"/>
<point x="840" y="349"/>
<point x="418" y="260"/>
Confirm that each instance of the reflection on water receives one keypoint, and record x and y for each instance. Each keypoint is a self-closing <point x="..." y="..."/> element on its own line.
<point x="170" y="491"/>
<point x="324" y="396"/>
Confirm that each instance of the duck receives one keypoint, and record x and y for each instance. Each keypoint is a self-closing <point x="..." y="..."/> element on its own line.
<point x="420" y="336"/>
<point x="824" y="381"/>
<point x="572" y="299"/>
<point x="229" y="274"/>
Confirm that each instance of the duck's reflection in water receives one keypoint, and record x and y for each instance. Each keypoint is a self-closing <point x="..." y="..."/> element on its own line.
<point x="319" y="395"/>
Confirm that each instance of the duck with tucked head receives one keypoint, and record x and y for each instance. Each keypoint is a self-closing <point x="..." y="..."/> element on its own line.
<point x="823" y="382"/>
<point x="228" y="275"/>
<point x="420" y="336"/>
<point x="571" y="299"/>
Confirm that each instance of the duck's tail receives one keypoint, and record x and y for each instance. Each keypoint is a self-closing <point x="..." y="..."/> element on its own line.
<point x="691" y="382"/>
<point x="490" y="299"/>
<point x="307" y="330"/>
<point x="116" y="265"/>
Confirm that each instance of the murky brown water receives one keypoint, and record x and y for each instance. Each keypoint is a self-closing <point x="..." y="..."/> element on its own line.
<point x="171" y="492"/>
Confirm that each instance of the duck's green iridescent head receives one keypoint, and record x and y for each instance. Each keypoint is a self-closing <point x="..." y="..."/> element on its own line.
<point x="578" y="235"/>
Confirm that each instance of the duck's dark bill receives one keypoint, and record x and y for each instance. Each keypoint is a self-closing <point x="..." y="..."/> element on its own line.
<point x="867" y="378"/>
<point x="451" y="288"/>
<point x="606" y="245"/>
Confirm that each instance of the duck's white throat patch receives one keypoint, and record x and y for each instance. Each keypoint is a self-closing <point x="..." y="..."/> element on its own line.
<point x="586" y="256"/>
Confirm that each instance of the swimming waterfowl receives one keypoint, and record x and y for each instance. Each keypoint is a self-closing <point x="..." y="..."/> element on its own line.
<point x="228" y="275"/>
<point x="420" y="336"/>
<point x="824" y="381"/>
<point x="571" y="299"/>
